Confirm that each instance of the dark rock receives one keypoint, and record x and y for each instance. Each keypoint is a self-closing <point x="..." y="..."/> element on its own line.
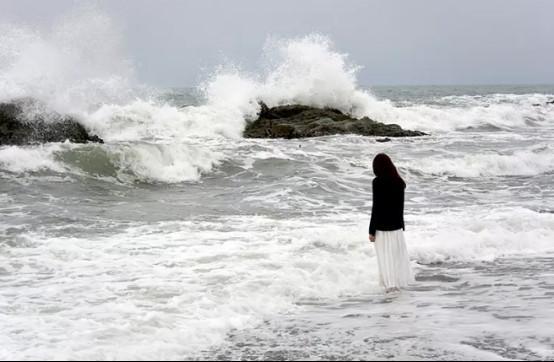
<point x="383" y="139"/>
<point x="27" y="121"/>
<point x="545" y="104"/>
<point x="298" y="121"/>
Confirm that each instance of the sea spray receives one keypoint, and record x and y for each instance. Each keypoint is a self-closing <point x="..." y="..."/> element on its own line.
<point x="177" y="236"/>
<point x="79" y="66"/>
<point x="75" y="66"/>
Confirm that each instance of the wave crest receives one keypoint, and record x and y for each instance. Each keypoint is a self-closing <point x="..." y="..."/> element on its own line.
<point x="79" y="67"/>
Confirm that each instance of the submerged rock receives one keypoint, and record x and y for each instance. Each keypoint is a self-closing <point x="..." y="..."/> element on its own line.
<point x="298" y="121"/>
<point x="27" y="122"/>
<point x="547" y="103"/>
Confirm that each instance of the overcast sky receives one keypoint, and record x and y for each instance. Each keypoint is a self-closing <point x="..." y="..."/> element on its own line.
<point x="397" y="42"/>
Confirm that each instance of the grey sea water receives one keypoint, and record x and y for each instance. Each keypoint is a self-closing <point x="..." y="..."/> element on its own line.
<point x="175" y="241"/>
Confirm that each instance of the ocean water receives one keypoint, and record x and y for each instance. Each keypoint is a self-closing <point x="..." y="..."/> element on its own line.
<point x="179" y="239"/>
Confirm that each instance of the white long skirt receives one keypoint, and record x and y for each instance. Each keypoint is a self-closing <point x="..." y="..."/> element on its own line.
<point x="392" y="256"/>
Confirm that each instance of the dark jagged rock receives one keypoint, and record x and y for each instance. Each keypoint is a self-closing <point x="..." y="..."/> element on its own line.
<point x="298" y="121"/>
<point x="383" y="139"/>
<point x="27" y="122"/>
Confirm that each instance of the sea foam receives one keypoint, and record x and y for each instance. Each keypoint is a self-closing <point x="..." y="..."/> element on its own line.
<point x="79" y="66"/>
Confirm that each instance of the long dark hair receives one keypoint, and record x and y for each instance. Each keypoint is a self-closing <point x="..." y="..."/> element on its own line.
<point x="384" y="168"/>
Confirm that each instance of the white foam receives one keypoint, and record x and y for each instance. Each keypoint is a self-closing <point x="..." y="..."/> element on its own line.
<point x="144" y="162"/>
<point x="308" y="70"/>
<point x="447" y="118"/>
<point x="480" y="234"/>
<point x="204" y="279"/>
<point x="75" y="65"/>
<point x="528" y="162"/>
<point x="148" y="120"/>
<point x="157" y="162"/>
<point x="30" y="159"/>
<point x="187" y="284"/>
<point x="79" y="67"/>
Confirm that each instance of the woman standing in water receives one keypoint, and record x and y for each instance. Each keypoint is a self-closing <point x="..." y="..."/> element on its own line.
<point x="386" y="227"/>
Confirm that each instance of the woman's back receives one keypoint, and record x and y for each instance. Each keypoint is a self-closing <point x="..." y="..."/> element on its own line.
<point x="388" y="205"/>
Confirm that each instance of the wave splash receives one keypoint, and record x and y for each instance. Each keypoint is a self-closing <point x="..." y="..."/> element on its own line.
<point x="79" y="67"/>
<point x="74" y="66"/>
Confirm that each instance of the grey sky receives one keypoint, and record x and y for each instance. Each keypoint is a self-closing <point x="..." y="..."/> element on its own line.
<point x="175" y="43"/>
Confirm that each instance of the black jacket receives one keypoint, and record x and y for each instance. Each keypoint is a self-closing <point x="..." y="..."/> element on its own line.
<point x="387" y="212"/>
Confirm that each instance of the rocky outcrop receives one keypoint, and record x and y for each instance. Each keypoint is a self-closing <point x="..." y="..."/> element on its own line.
<point x="298" y="121"/>
<point x="27" y="122"/>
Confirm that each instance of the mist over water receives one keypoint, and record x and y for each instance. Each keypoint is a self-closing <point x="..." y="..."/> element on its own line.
<point x="178" y="238"/>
